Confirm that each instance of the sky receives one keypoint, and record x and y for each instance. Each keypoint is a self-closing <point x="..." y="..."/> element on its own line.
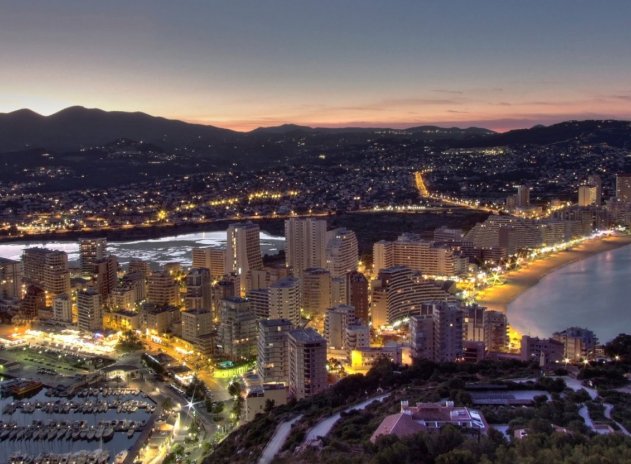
<point x="242" y="64"/>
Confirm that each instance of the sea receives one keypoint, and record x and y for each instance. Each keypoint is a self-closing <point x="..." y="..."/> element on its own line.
<point x="594" y="293"/>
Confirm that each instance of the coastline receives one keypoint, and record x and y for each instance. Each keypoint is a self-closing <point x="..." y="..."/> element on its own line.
<point x="498" y="298"/>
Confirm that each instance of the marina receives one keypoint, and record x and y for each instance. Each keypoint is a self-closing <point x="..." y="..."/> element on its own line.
<point x="91" y="425"/>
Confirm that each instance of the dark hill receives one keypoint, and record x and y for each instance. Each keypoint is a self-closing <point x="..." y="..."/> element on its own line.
<point x="78" y="127"/>
<point x="611" y="132"/>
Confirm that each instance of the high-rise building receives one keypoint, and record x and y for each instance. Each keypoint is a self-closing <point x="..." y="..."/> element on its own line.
<point x="338" y="291"/>
<point x="10" y="279"/>
<point x="623" y="188"/>
<point x="198" y="289"/>
<point x="259" y="302"/>
<point x="90" y="315"/>
<point x="237" y="329"/>
<point x="162" y="289"/>
<point x="48" y="270"/>
<point x="523" y="196"/>
<point x="263" y="278"/>
<point x="422" y="336"/>
<point x="357" y="295"/>
<point x="342" y="253"/>
<point x="243" y="251"/>
<point x="507" y="234"/>
<point x="448" y="318"/>
<point x="337" y="320"/>
<point x="105" y="276"/>
<point x="596" y="181"/>
<point x="356" y="336"/>
<point x="495" y="331"/>
<point x="382" y="255"/>
<point x="285" y="300"/>
<point x="227" y="287"/>
<point x="273" y="350"/>
<point x="587" y="195"/>
<point x="305" y="244"/>
<point x="307" y="363"/>
<point x="473" y="323"/>
<point x="211" y="258"/>
<point x="436" y="333"/>
<point x="427" y="257"/>
<point x="62" y="308"/>
<point x="316" y="291"/>
<point x="33" y="302"/>
<point x="399" y="292"/>
<point x="196" y="323"/>
<point x="138" y="265"/>
<point x="91" y="250"/>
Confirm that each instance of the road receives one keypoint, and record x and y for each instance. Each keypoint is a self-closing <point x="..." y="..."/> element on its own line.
<point x="322" y="428"/>
<point x="277" y="441"/>
<point x="218" y="389"/>
<point x="608" y="408"/>
<point x="576" y="385"/>
<point x="584" y="413"/>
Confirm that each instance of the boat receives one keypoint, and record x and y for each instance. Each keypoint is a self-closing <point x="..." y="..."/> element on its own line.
<point x="76" y="433"/>
<point x="99" y="432"/>
<point x="120" y="457"/>
<point x="130" y="432"/>
<point x="108" y="433"/>
<point x="90" y="434"/>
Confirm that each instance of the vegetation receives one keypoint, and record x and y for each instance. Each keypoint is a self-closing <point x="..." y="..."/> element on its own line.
<point x="426" y="381"/>
<point x="129" y="341"/>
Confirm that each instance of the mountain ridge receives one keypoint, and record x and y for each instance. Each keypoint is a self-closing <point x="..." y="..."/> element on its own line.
<point x="77" y="127"/>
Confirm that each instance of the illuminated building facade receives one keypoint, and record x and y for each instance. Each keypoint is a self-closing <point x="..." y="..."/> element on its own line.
<point x="305" y="244"/>
<point x="48" y="270"/>
<point x="10" y="279"/>
<point x="411" y="251"/>
<point x="273" y="350"/>
<point x="285" y="300"/>
<point x="307" y="363"/>
<point x="90" y="315"/>
<point x="91" y="250"/>
<point x="342" y="253"/>
<point x="211" y="258"/>
<point x="243" y="251"/>
<point x="198" y="289"/>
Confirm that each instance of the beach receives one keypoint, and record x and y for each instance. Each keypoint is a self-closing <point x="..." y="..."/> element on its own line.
<point x="517" y="282"/>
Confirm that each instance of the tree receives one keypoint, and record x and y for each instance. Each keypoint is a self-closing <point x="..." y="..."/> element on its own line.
<point x="167" y="404"/>
<point x="621" y="347"/>
<point x="269" y="405"/>
<point x="234" y="389"/>
<point x="457" y="456"/>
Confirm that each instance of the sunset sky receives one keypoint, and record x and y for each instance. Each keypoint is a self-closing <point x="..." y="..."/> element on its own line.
<point x="499" y="64"/>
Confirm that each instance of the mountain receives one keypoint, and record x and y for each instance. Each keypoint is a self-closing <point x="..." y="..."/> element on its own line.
<point x="77" y="127"/>
<point x="612" y="132"/>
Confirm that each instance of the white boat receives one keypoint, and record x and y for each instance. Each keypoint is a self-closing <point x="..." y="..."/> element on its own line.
<point x="120" y="457"/>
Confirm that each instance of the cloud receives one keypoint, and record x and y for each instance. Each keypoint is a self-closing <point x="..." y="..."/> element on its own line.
<point x="449" y="91"/>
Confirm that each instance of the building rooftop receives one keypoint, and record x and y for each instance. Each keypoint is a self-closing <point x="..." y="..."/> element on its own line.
<point x="306" y="336"/>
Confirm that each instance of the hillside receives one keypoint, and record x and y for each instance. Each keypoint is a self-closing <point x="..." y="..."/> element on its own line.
<point x="77" y="127"/>
<point x="554" y="419"/>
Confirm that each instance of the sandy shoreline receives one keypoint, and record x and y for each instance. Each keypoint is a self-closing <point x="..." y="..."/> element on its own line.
<point x="498" y="298"/>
